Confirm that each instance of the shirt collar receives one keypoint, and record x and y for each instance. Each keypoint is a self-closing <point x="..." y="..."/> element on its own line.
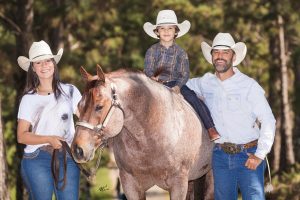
<point x="172" y="46"/>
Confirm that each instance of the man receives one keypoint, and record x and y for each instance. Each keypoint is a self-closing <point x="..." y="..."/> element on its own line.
<point x="243" y="118"/>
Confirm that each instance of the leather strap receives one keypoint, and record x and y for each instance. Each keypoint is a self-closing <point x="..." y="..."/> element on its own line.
<point x="55" y="164"/>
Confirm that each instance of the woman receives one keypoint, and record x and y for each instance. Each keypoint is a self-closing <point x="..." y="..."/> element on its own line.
<point x="45" y="118"/>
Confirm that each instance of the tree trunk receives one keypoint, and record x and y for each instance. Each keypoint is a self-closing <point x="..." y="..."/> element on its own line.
<point x="287" y="119"/>
<point x="277" y="146"/>
<point x="24" y="39"/>
<point x="56" y="32"/>
<point x="4" y="193"/>
<point x="275" y="102"/>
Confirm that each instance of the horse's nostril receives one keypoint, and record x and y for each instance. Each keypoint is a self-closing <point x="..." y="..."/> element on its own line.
<point x="78" y="152"/>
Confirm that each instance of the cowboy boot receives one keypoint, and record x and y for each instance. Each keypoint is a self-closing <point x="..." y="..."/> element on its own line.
<point x="213" y="134"/>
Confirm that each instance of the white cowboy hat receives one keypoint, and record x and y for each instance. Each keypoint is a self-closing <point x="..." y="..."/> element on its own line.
<point x="38" y="51"/>
<point x="225" y="41"/>
<point x="167" y="17"/>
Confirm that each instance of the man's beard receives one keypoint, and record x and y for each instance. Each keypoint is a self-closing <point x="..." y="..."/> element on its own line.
<point x="222" y="68"/>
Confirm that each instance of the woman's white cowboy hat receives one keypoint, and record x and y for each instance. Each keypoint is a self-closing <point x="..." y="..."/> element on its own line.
<point x="225" y="41"/>
<point x="38" y="51"/>
<point x="167" y="17"/>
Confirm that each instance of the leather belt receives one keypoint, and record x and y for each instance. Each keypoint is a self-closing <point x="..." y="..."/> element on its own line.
<point x="232" y="148"/>
<point x="49" y="149"/>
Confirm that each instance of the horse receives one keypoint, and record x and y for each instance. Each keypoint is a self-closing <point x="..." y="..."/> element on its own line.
<point x="156" y="136"/>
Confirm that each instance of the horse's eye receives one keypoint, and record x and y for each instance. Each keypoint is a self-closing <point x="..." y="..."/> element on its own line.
<point x="98" y="108"/>
<point x="64" y="117"/>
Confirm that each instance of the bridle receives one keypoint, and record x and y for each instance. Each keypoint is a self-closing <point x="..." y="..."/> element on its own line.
<point x="99" y="131"/>
<point x="99" y="127"/>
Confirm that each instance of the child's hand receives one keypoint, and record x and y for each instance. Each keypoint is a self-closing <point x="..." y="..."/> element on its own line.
<point x="176" y="89"/>
<point x="154" y="78"/>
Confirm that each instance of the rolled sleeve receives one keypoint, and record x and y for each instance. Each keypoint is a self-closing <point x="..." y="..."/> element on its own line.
<point x="265" y="116"/>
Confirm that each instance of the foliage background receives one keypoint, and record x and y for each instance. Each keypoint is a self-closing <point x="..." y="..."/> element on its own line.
<point x="110" y="33"/>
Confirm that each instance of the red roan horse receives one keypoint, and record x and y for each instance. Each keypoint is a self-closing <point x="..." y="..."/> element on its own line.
<point x="157" y="138"/>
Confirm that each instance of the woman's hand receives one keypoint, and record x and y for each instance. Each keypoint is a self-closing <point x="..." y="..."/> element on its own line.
<point x="55" y="141"/>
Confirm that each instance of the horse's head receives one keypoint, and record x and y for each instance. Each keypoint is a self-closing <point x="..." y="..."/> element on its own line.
<point x="101" y="115"/>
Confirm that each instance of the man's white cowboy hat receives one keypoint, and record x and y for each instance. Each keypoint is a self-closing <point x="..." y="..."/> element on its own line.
<point x="38" y="51"/>
<point x="225" y="41"/>
<point x="164" y="18"/>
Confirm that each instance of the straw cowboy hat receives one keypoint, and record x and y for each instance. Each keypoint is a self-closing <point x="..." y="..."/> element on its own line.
<point x="167" y="17"/>
<point x="38" y="51"/>
<point x="225" y="41"/>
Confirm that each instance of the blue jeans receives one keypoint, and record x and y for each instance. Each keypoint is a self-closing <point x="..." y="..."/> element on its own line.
<point x="199" y="106"/>
<point x="230" y="174"/>
<point x="37" y="176"/>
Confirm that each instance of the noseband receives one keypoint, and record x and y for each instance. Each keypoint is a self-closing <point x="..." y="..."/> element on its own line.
<point x="99" y="127"/>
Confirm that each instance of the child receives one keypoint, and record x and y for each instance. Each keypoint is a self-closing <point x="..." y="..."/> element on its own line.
<point x="169" y="58"/>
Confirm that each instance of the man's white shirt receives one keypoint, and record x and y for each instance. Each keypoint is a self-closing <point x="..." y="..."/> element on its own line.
<point x="236" y="104"/>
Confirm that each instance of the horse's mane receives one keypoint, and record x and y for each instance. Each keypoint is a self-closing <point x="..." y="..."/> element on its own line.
<point x="124" y="71"/>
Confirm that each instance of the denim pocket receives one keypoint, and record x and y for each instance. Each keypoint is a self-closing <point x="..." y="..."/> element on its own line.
<point x="31" y="155"/>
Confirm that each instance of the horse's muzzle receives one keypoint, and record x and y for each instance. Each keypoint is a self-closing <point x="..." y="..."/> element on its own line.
<point x="78" y="152"/>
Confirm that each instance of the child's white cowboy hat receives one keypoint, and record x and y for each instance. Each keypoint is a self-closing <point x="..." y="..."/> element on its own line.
<point x="167" y="17"/>
<point x="225" y="41"/>
<point x="38" y="51"/>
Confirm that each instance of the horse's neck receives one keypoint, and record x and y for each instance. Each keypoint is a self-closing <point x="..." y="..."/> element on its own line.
<point x="146" y="106"/>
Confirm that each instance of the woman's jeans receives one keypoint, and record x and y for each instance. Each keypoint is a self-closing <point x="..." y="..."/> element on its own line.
<point x="38" y="179"/>
<point x="230" y="174"/>
<point x="198" y="105"/>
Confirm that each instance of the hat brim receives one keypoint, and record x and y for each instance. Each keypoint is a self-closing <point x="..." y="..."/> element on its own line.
<point x="24" y="62"/>
<point x="184" y="27"/>
<point x="239" y="48"/>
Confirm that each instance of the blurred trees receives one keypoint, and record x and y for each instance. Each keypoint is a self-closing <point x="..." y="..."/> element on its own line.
<point x="110" y="33"/>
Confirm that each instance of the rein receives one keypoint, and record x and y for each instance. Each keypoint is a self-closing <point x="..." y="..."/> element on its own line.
<point x="55" y="165"/>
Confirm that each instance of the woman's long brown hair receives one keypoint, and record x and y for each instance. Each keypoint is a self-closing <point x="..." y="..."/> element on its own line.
<point x="32" y="81"/>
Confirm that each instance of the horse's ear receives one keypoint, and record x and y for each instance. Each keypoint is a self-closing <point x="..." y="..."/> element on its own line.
<point x="85" y="75"/>
<point x="100" y="73"/>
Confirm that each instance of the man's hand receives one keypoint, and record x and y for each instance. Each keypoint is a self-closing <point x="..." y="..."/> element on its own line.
<point x="252" y="161"/>
<point x="176" y="89"/>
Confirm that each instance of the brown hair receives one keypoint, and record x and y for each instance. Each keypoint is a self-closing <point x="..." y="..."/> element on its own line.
<point x="176" y="31"/>
<point x="32" y="81"/>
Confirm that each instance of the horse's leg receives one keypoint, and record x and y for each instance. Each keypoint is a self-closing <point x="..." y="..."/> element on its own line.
<point x="179" y="187"/>
<point x="201" y="188"/>
<point x="131" y="187"/>
<point x="209" y="186"/>
<point x="191" y="191"/>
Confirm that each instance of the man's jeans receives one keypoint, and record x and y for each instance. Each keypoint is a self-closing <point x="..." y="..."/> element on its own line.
<point x="198" y="105"/>
<point x="38" y="179"/>
<point x="230" y="174"/>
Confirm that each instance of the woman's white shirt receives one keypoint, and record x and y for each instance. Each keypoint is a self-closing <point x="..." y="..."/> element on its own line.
<point x="49" y="116"/>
